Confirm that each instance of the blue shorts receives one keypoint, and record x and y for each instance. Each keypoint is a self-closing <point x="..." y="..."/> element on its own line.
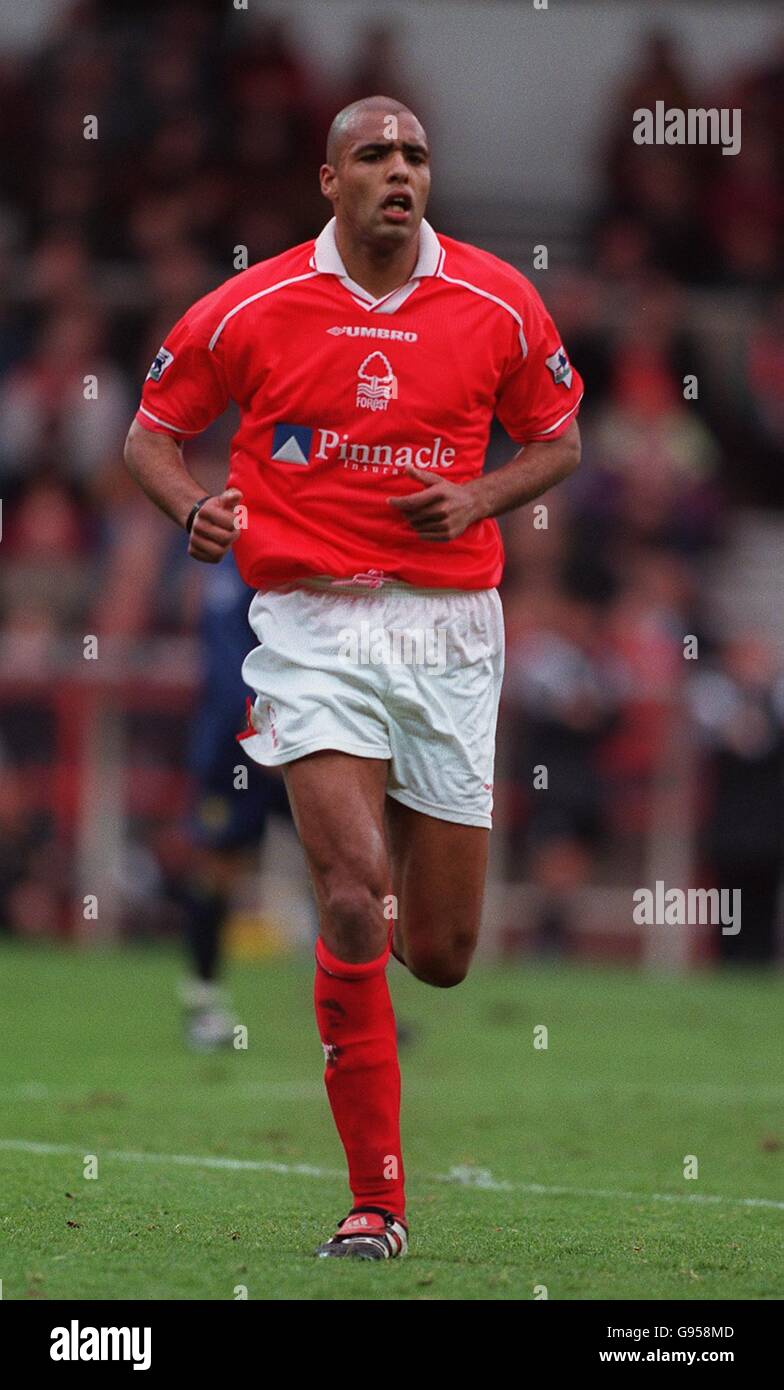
<point x="233" y="796"/>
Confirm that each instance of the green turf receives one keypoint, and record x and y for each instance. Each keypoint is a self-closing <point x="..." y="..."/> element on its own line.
<point x="639" y="1072"/>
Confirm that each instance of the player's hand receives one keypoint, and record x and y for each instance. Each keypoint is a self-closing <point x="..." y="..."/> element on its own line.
<point x="214" y="528"/>
<point x="442" y="510"/>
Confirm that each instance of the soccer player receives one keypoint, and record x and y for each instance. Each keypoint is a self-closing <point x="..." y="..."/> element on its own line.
<point x="227" y="821"/>
<point x="367" y="367"/>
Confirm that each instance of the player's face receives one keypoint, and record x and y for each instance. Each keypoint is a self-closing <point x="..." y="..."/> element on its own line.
<point x="381" y="182"/>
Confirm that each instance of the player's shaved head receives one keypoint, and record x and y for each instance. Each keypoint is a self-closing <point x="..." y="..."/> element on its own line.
<point x="343" y="128"/>
<point x="377" y="177"/>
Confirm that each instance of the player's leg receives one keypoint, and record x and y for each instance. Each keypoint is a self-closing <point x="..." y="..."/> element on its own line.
<point x="338" y="805"/>
<point x="204" y="896"/>
<point x="439" y="792"/>
<point x="337" y="802"/>
<point x="438" y="876"/>
<point x="226" y="826"/>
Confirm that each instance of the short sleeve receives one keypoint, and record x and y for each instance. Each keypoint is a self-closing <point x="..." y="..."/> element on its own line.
<point x="185" y="388"/>
<point x="540" y="394"/>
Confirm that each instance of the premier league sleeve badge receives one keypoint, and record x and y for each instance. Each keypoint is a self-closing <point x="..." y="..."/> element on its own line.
<point x="162" y="359"/>
<point x="561" y="367"/>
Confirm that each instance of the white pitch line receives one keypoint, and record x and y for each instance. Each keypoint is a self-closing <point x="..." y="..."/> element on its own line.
<point x="699" y="1093"/>
<point x="234" y="1165"/>
<point x="480" y="1179"/>
<point x="709" y="1093"/>
<point x="272" y="1090"/>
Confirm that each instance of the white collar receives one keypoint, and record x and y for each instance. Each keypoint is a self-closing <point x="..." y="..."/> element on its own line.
<point x="328" y="261"/>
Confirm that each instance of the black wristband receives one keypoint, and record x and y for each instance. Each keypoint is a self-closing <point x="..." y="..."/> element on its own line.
<point x="194" y="509"/>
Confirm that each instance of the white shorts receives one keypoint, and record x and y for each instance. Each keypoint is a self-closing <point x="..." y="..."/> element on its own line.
<point x="410" y="675"/>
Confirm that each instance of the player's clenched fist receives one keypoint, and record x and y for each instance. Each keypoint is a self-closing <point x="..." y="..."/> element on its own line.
<point x="214" y="527"/>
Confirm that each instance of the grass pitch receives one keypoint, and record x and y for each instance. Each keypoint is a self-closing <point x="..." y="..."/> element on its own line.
<point x="560" y="1167"/>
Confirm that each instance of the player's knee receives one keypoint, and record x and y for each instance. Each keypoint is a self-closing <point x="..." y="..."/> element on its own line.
<point x="443" y="972"/>
<point x="443" y="969"/>
<point x="354" y="911"/>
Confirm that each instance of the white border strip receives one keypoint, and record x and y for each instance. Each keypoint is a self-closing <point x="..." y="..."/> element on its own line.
<point x="485" y="294"/>
<point x="177" y="430"/>
<point x="251" y="298"/>
<point x="535" y="437"/>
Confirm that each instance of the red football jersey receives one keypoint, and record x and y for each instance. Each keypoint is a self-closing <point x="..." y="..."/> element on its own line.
<point x="338" y="391"/>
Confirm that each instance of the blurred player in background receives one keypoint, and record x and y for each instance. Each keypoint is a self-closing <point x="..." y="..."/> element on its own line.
<point x="737" y="705"/>
<point x="368" y="366"/>
<point x="232" y="803"/>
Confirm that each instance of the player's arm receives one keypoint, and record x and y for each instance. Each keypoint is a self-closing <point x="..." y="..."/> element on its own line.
<point x="537" y="401"/>
<point x="156" y="462"/>
<point x="443" y="510"/>
<point x="533" y="470"/>
<point x="185" y="390"/>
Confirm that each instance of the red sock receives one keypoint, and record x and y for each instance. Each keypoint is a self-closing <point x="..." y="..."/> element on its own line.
<point x="357" y="1029"/>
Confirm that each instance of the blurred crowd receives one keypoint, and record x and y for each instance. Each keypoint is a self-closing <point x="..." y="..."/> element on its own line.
<point x="209" y="135"/>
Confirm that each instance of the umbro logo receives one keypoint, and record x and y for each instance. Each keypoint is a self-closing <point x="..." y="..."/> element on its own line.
<point x="395" y="335"/>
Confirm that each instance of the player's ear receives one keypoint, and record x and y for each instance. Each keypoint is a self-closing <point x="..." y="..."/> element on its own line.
<point x="328" y="181"/>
